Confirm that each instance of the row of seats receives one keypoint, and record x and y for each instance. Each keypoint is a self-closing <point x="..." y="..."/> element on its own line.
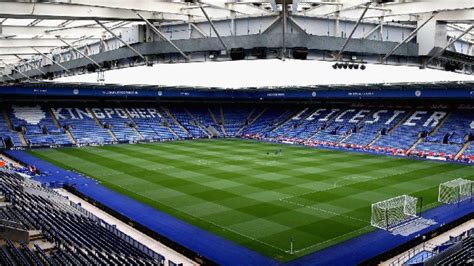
<point x="77" y="237"/>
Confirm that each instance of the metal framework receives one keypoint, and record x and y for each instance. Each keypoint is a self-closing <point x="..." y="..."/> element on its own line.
<point x="119" y="33"/>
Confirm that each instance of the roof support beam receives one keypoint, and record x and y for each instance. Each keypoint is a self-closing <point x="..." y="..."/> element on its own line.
<point x="440" y="52"/>
<point x="339" y="54"/>
<point x="371" y="31"/>
<point x="196" y="27"/>
<point x="271" y="25"/>
<point x="163" y="36"/>
<point x="213" y="26"/>
<point x="409" y="37"/>
<point x="120" y="39"/>
<point x="285" y="22"/>
<point x="51" y="59"/>
<point x="79" y="52"/>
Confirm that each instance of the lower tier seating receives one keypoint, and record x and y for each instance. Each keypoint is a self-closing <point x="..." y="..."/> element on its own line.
<point x="73" y="236"/>
<point x="401" y="130"/>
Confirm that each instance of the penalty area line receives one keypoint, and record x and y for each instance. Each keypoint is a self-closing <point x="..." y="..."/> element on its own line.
<point x="323" y="210"/>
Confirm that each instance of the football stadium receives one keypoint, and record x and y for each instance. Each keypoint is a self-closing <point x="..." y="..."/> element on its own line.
<point x="270" y="132"/>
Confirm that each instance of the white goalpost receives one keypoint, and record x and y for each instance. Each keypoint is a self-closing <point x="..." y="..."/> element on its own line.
<point x="394" y="211"/>
<point x="455" y="191"/>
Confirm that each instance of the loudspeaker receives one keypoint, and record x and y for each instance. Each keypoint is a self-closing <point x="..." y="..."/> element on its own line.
<point x="300" y="53"/>
<point x="91" y="68"/>
<point x="107" y="65"/>
<point x="237" y="53"/>
<point x="259" y="52"/>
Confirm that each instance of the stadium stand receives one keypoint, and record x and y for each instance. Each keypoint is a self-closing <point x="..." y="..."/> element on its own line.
<point x="81" y="124"/>
<point x="435" y="133"/>
<point x="65" y="234"/>
<point x="457" y="250"/>
<point x="38" y="126"/>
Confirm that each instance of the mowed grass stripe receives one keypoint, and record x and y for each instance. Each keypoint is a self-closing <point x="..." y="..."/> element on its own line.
<point x="233" y="187"/>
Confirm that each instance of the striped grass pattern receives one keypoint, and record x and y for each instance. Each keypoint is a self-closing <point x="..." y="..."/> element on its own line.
<point x="248" y="192"/>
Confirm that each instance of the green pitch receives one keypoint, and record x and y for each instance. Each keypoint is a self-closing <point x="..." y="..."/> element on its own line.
<point x="247" y="192"/>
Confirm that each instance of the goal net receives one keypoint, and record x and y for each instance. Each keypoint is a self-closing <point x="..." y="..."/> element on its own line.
<point x="455" y="191"/>
<point x="394" y="211"/>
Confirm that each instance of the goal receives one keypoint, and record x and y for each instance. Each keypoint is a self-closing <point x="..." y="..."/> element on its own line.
<point x="395" y="211"/>
<point x="455" y="191"/>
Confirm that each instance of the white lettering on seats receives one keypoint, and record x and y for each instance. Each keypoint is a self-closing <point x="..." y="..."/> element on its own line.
<point x="413" y="118"/>
<point x="434" y="119"/>
<point x="339" y="118"/>
<point x="359" y="116"/>
<point x="376" y="116"/>
<point x="315" y="113"/>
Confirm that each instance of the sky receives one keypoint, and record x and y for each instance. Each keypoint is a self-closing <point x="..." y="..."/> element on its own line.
<point x="264" y="73"/>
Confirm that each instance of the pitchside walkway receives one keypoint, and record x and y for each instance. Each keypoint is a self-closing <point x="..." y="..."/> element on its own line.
<point x="223" y="251"/>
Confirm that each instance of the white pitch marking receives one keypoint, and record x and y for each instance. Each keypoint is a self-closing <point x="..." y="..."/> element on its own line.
<point x="323" y="210"/>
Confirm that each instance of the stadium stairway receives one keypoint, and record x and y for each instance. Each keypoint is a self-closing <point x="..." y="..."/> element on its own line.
<point x="198" y="123"/>
<point x="333" y="116"/>
<point x="168" y="114"/>
<point x="55" y="121"/>
<point x="390" y="130"/>
<point x="250" y="120"/>
<point x="135" y="126"/>
<point x="359" y="125"/>
<point x="219" y="122"/>
<point x="7" y="119"/>
<point x="290" y="124"/>
<point x="431" y="133"/>
<point x="464" y="148"/>
<point x="19" y="134"/>
<point x="283" y="119"/>
<point x="100" y="124"/>
<point x="223" y="120"/>
<point x="420" y="140"/>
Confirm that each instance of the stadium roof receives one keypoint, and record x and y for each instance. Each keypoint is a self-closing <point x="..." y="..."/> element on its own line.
<point x="47" y="39"/>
